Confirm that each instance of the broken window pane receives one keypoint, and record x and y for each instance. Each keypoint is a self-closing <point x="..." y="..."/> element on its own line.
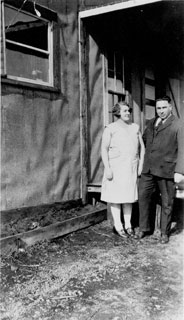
<point x="28" y="47"/>
<point x="26" y="63"/>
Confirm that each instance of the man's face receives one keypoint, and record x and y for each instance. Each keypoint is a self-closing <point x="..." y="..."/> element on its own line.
<point x="163" y="109"/>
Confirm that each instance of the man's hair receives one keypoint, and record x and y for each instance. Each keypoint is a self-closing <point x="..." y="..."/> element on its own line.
<point x="164" y="98"/>
<point x="117" y="107"/>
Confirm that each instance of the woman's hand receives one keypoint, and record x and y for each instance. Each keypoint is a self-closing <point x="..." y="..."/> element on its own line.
<point x="142" y="153"/>
<point x="140" y="166"/>
<point x="109" y="174"/>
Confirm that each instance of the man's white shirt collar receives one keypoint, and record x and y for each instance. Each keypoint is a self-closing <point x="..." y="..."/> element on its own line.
<point x="159" y="120"/>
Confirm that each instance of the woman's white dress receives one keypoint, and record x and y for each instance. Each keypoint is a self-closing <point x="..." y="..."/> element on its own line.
<point x="123" y="159"/>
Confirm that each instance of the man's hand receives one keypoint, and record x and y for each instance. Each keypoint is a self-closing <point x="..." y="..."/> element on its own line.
<point x="178" y="177"/>
<point x="109" y="174"/>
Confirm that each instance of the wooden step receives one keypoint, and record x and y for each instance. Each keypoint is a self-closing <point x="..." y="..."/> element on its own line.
<point x="55" y="230"/>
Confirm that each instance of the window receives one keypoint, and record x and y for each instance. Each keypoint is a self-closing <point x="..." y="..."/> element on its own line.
<point x="28" y="45"/>
<point x="149" y="93"/>
<point x="116" y="80"/>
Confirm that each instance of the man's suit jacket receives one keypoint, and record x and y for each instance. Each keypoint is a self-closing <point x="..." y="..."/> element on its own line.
<point x="164" y="148"/>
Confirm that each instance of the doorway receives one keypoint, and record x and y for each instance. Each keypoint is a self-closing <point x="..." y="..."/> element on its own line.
<point x="128" y="55"/>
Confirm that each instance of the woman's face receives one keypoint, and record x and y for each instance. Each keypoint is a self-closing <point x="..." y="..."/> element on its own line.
<point x="125" y="113"/>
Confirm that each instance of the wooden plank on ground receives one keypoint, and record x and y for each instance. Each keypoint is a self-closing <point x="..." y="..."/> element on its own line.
<point x="58" y="229"/>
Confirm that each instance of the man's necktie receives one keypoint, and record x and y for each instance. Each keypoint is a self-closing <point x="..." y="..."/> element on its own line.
<point x="159" y="124"/>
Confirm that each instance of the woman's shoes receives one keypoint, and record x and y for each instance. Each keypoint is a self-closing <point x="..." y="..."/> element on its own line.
<point x="130" y="232"/>
<point x="122" y="233"/>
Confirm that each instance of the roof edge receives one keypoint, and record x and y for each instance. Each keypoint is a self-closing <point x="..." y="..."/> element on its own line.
<point x="114" y="7"/>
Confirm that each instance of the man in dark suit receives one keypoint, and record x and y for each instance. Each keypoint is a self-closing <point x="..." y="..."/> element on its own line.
<point x="163" y="167"/>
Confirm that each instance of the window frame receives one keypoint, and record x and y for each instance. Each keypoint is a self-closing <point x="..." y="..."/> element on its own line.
<point x="113" y="92"/>
<point x="115" y="72"/>
<point x="48" y="52"/>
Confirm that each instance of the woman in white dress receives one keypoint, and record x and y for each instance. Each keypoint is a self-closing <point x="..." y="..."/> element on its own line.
<point x="122" y="156"/>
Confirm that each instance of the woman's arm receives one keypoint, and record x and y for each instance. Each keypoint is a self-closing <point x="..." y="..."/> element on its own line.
<point x="106" y="138"/>
<point x="141" y="156"/>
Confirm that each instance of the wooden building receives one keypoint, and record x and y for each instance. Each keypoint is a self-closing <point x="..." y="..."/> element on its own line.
<point x="64" y="64"/>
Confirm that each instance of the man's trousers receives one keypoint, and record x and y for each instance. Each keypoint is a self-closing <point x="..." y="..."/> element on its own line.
<point x="149" y="187"/>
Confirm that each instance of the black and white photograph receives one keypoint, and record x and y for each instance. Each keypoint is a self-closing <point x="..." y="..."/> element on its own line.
<point x="92" y="160"/>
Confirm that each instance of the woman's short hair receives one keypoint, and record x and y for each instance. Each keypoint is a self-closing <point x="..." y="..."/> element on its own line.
<point x="117" y="107"/>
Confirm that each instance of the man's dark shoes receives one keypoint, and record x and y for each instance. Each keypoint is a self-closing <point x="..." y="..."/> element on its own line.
<point x="164" y="239"/>
<point x="140" y="235"/>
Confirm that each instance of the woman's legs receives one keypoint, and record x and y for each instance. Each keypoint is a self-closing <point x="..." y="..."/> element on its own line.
<point x="116" y="215"/>
<point x="127" y="212"/>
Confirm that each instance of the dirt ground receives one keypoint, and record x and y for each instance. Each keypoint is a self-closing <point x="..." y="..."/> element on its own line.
<point x="17" y="221"/>
<point x="94" y="274"/>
